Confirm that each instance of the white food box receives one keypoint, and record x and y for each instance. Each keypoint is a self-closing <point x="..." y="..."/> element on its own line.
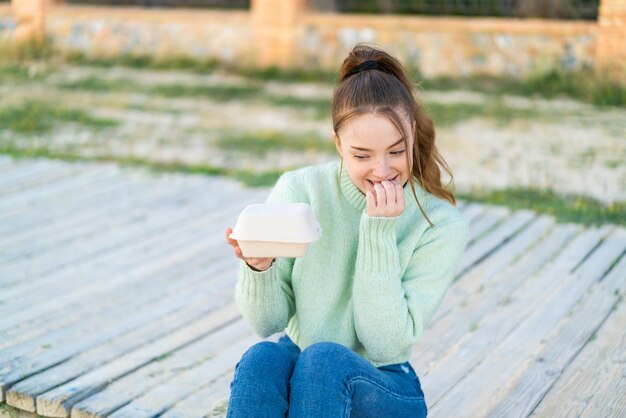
<point x="276" y="229"/>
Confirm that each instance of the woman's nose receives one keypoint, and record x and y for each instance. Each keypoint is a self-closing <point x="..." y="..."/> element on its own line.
<point x="381" y="170"/>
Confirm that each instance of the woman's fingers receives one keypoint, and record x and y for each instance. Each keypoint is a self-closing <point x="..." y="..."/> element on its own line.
<point x="387" y="199"/>
<point x="381" y="197"/>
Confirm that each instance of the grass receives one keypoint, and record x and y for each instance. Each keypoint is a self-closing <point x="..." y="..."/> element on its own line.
<point x="584" y="85"/>
<point x="34" y="117"/>
<point x="269" y="141"/>
<point x="173" y="62"/>
<point x="319" y="107"/>
<point x="449" y="114"/>
<point x="218" y="92"/>
<point x="564" y="208"/>
<point x="248" y="178"/>
<point x="443" y="114"/>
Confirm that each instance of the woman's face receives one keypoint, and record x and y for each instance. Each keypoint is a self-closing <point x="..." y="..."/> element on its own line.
<point x="373" y="150"/>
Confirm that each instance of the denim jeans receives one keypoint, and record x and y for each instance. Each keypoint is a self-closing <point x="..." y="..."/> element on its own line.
<point x="326" y="380"/>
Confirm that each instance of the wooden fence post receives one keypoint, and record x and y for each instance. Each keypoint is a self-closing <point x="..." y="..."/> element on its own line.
<point x="611" y="50"/>
<point x="274" y="24"/>
<point x="30" y="20"/>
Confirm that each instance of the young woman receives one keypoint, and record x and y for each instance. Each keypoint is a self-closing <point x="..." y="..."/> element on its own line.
<point x="353" y="306"/>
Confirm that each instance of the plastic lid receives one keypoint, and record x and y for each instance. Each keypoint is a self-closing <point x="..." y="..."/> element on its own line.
<point x="277" y="222"/>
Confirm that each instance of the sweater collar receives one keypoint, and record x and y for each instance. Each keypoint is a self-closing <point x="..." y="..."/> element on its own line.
<point x="357" y="199"/>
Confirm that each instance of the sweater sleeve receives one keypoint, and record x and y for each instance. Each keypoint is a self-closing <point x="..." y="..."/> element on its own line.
<point x="391" y="307"/>
<point x="265" y="299"/>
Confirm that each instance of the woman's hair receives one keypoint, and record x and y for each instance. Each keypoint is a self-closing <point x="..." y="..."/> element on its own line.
<point x="372" y="81"/>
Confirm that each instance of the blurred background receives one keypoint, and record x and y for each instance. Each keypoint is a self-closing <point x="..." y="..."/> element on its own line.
<point x="528" y="96"/>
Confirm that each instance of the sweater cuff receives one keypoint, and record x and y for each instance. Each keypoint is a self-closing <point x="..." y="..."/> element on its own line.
<point x="258" y="284"/>
<point x="378" y="251"/>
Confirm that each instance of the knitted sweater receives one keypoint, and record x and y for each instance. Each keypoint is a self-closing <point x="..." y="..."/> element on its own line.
<point x="369" y="283"/>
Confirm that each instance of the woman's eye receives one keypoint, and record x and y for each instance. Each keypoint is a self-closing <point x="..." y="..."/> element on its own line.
<point x="398" y="152"/>
<point x="360" y="157"/>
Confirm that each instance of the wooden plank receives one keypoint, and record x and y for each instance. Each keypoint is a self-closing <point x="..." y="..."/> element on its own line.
<point x="42" y="179"/>
<point x="491" y="314"/>
<point x="65" y="185"/>
<point x="488" y="220"/>
<point x="593" y="384"/>
<point x="489" y="241"/>
<point x="138" y="384"/>
<point x="111" y="271"/>
<point x="540" y="231"/>
<point x="207" y="402"/>
<point x="473" y="211"/>
<point x="119" y="261"/>
<point x="69" y="318"/>
<point x="50" y="208"/>
<point x="93" y="199"/>
<point x="59" y="401"/>
<point x="38" y="212"/>
<point x="126" y="269"/>
<point x="170" y="274"/>
<point x="181" y="277"/>
<point x="154" y="223"/>
<point x="164" y="396"/>
<point x="58" y="234"/>
<point x="130" y="254"/>
<point x="30" y="172"/>
<point x="102" y="217"/>
<point x="503" y="362"/>
<point x="562" y="346"/>
<point x="119" y="322"/>
<point x="477" y="296"/>
<point x="22" y="395"/>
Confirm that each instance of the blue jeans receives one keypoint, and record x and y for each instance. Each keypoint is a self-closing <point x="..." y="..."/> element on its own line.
<point x="326" y="380"/>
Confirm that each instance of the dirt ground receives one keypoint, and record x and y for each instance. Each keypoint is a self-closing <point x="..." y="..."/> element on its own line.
<point x="567" y="146"/>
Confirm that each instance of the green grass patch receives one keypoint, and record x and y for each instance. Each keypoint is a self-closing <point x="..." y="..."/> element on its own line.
<point x="27" y="51"/>
<point x="564" y="208"/>
<point x="320" y="107"/>
<point x="174" y="62"/>
<point x="14" y="73"/>
<point x="248" y="178"/>
<point x="584" y="85"/>
<point x="449" y="114"/>
<point x="98" y="84"/>
<point x="33" y="117"/>
<point x="219" y="92"/>
<point x="288" y="75"/>
<point x="263" y="142"/>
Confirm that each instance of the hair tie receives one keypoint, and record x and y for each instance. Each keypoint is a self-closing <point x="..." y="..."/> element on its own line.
<point x="365" y="65"/>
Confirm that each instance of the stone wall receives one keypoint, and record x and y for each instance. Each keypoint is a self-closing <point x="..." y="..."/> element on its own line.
<point x="287" y="34"/>
<point x="104" y="31"/>
<point x="453" y="46"/>
<point x="7" y="23"/>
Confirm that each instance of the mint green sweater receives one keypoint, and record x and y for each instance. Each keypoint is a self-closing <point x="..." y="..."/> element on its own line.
<point x="369" y="283"/>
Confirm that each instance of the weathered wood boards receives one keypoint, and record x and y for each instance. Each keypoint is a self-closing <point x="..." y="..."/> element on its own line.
<point x="116" y="300"/>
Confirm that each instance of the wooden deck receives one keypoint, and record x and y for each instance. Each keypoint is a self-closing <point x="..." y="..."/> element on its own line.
<point x="116" y="299"/>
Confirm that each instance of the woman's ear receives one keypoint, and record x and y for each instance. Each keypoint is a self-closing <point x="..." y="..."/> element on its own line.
<point x="337" y="143"/>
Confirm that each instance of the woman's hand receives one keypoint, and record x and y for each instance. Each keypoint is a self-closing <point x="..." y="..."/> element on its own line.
<point x="386" y="201"/>
<point x="260" y="264"/>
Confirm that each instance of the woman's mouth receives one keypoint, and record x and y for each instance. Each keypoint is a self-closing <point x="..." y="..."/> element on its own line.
<point x="393" y="180"/>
